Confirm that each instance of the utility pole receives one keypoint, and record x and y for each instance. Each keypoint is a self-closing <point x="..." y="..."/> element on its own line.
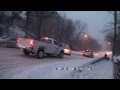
<point x="38" y="29"/>
<point x="40" y="17"/>
<point x="114" y="39"/>
<point x="27" y="15"/>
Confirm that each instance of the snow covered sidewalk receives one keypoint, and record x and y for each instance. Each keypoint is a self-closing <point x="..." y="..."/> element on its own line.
<point x="101" y="70"/>
<point x="66" y="70"/>
<point x="56" y="70"/>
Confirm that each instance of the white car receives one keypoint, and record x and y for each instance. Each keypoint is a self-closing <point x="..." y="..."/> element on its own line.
<point x="44" y="46"/>
<point x="88" y="53"/>
<point x="67" y="50"/>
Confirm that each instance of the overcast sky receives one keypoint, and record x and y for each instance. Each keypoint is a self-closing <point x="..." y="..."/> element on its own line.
<point x="96" y="21"/>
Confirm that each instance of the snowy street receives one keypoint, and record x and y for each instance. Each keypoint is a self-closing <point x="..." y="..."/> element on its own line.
<point x="59" y="45"/>
<point x="69" y="70"/>
<point x="13" y="61"/>
<point x="14" y="64"/>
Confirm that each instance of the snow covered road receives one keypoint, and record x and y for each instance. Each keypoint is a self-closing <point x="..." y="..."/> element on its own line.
<point x="15" y="65"/>
<point x="57" y="70"/>
<point x="69" y="70"/>
<point x="12" y="61"/>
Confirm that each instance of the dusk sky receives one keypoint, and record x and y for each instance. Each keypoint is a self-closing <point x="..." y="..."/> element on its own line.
<point x="96" y="21"/>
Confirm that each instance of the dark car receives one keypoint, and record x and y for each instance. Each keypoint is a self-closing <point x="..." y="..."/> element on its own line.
<point x="9" y="42"/>
<point x="88" y="53"/>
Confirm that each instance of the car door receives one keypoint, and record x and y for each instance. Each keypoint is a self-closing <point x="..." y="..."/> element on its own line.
<point x="49" y="47"/>
<point x="7" y="42"/>
<point x="56" y="47"/>
<point x="12" y="42"/>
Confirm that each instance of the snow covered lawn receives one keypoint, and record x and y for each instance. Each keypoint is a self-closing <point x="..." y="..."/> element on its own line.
<point x="66" y="70"/>
<point x="101" y="70"/>
<point x="77" y="53"/>
<point x="52" y="70"/>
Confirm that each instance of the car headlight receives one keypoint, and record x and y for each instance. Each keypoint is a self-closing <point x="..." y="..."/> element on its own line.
<point x="66" y="51"/>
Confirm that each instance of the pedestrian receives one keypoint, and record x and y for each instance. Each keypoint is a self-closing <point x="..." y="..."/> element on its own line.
<point x="105" y="56"/>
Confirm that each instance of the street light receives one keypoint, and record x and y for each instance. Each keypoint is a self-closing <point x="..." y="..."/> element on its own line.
<point x="109" y="43"/>
<point x="108" y="46"/>
<point x="85" y="36"/>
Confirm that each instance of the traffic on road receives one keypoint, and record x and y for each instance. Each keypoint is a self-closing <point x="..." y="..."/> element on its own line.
<point x="42" y="41"/>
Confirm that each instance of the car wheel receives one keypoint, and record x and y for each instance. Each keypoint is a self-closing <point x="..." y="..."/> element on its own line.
<point x="48" y="55"/>
<point x="26" y="52"/>
<point x="2" y="45"/>
<point x="61" y="55"/>
<point x="40" y="54"/>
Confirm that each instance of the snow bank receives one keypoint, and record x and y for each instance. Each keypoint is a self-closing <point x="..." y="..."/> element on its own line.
<point x="77" y="52"/>
<point x="59" y="70"/>
<point x="116" y="59"/>
<point x="101" y="70"/>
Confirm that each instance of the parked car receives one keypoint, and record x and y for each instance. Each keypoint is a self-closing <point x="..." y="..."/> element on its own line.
<point x="3" y="38"/>
<point x="8" y="42"/>
<point x="88" y="53"/>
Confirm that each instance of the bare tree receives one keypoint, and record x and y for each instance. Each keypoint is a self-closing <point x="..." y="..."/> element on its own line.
<point x="108" y="31"/>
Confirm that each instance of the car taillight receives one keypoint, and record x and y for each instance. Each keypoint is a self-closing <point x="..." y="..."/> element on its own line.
<point x="32" y="42"/>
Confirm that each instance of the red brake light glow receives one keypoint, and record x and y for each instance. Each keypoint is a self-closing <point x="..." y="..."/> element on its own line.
<point x="32" y="42"/>
<point x="46" y="38"/>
